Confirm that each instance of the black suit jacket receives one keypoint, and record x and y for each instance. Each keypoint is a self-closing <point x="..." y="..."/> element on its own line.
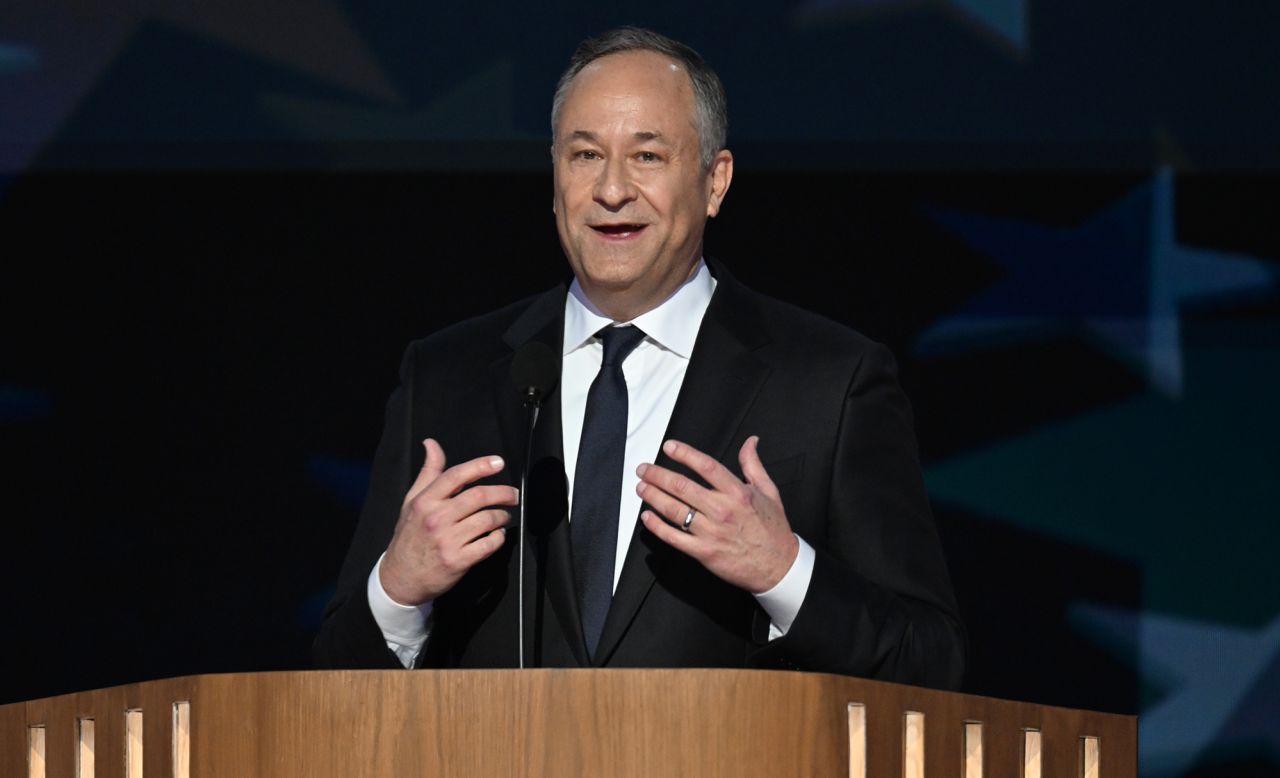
<point x="835" y="435"/>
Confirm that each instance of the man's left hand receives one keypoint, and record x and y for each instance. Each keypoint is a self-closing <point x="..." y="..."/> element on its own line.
<point x="739" y="530"/>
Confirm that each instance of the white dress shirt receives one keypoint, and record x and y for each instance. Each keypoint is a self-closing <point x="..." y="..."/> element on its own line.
<point x="654" y="372"/>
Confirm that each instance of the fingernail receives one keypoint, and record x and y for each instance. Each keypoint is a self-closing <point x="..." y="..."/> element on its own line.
<point x="495" y="462"/>
<point x="669" y="446"/>
<point x="640" y="470"/>
<point x="640" y="487"/>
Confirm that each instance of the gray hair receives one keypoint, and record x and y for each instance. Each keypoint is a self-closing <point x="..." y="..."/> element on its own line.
<point x="711" y="108"/>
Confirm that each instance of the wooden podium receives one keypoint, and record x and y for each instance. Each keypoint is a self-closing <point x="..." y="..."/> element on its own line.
<point x="474" y="724"/>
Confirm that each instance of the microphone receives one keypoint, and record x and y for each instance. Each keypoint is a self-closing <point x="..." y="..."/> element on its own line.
<point x="534" y="371"/>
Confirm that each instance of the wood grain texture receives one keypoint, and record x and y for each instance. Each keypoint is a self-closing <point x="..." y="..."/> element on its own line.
<point x="973" y="750"/>
<point x="13" y="739"/>
<point x="352" y="724"/>
<point x="1032" y="750"/>
<point x="1089" y="757"/>
<point x="857" y="740"/>
<point x="133" y="723"/>
<point x="35" y="752"/>
<point x="57" y="714"/>
<point x="913" y="746"/>
<point x="84" y="748"/>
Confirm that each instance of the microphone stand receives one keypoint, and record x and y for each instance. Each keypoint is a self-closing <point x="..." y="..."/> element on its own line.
<point x="534" y="370"/>
<point x="532" y="402"/>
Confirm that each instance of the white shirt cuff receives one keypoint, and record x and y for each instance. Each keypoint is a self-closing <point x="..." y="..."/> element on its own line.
<point x="783" y="601"/>
<point x="404" y="627"/>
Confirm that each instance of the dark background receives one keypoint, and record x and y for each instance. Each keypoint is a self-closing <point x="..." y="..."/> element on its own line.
<point x="221" y="226"/>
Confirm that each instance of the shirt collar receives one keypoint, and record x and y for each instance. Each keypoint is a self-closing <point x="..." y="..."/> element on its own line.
<point x="673" y="325"/>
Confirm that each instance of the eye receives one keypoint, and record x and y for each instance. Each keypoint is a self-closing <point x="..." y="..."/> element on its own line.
<point x="648" y="156"/>
<point x="585" y="154"/>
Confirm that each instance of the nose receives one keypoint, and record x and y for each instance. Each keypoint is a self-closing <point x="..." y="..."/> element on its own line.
<point x="614" y="188"/>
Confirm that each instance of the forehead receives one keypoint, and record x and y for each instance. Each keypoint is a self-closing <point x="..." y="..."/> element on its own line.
<point x="639" y="85"/>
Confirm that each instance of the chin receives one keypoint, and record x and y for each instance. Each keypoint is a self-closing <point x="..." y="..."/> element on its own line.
<point x="612" y="273"/>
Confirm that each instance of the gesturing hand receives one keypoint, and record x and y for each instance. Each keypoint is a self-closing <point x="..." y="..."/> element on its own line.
<point x="739" y="531"/>
<point x="444" y="529"/>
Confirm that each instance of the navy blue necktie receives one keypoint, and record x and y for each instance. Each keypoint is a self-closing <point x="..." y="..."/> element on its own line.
<point x="597" y="482"/>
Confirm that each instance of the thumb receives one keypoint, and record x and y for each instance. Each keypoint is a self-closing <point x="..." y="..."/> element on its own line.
<point x="432" y="467"/>
<point x="753" y="468"/>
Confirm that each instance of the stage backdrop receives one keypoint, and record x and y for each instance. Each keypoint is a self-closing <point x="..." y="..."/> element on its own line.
<point x="220" y="226"/>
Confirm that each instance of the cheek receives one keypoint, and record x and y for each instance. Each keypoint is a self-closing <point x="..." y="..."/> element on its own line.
<point x="688" y="211"/>
<point x="681" y="199"/>
<point x="572" y="197"/>
<point x="567" y="185"/>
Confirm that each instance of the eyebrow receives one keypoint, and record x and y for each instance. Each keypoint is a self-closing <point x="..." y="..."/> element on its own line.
<point x="640" y="136"/>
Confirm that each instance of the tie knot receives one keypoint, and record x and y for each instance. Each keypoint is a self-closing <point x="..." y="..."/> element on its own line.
<point x="619" y="342"/>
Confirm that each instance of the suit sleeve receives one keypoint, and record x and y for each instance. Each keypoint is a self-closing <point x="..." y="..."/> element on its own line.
<point x="880" y="602"/>
<point x="349" y="637"/>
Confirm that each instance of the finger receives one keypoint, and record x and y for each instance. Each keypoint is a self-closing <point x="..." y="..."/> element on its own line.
<point x="477" y="525"/>
<point x="478" y="498"/>
<point x="482" y="548"/>
<point x="678" y="487"/>
<point x="437" y="516"/>
<point x="677" y="539"/>
<point x="711" y="471"/>
<point x="488" y="495"/>
<point x="664" y="504"/>
<point x="432" y="465"/>
<point x="451" y="481"/>
<point x="753" y="468"/>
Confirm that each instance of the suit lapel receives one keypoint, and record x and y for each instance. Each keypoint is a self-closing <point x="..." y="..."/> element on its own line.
<point x="548" y="564"/>
<point x="721" y="383"/>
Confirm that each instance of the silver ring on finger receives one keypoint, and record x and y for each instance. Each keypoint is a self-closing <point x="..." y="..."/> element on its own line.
<point x="688" y="520"/>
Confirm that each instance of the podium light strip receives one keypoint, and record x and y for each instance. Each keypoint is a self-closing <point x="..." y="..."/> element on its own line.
<point x="133" y="743"/>
<point x="182" y="740"/>
<point x="913" y="745"/>
<point x="35" y="751"/>
<point x="1089" y="758"/>
<point x="973" y="749"/>
<point x="84" y="754"/>
<point x="1031" y="753"/>
<point x="857" y="740"/>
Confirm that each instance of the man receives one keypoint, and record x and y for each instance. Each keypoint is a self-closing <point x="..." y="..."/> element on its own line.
<point x="767" y="452"/>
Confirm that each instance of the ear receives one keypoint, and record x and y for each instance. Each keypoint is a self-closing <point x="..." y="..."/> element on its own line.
<point x="721" y="174"/>
<point x="554" y="183"/>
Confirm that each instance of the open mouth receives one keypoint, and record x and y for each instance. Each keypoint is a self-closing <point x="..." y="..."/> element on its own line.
<point x="618" y="230"/>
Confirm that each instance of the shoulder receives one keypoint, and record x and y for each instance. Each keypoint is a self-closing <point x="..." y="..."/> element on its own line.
<point x="488" y="335"/>
<point x="790" y="332"/>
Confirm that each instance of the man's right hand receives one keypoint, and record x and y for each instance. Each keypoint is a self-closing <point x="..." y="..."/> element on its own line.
<point x="444" y="529"/>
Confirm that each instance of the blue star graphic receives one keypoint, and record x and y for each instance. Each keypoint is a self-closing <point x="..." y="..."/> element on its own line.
<point x="1006" y="19"/>
<point x="346" y="479"/>
<point x="311" y="37"/>
<point x="1186" y="490"/>
<point x="18" y="59"/>
<point x="19" y="405"/>
<point x="1207" y="669"/>
<point x="1120" y="277"/>
<point x="479" y="106"/>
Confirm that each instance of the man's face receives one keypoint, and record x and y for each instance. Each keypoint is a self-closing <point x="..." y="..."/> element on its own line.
<point x="631" y="194"/>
